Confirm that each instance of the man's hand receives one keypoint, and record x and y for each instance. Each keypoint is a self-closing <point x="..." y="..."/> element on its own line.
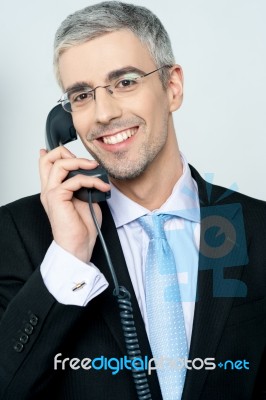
<point x="71" y="221"/>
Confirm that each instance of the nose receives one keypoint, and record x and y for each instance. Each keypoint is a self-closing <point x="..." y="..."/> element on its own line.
<point x="106" y="107"/>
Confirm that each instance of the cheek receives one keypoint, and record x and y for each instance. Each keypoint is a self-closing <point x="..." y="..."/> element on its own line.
<point x="158" y="99"/>
<point x="150" y="107"/>
<point x="81" y="124"/>
<point x="158" y="110"/>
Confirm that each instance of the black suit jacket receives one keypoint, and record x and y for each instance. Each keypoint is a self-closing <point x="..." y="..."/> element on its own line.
<point x="229" y="321"/>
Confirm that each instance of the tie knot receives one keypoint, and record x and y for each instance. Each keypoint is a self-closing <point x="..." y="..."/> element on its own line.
<point x="154" y="225"/>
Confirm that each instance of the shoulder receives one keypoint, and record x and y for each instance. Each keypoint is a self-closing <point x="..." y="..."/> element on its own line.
<point x="25" y="207"/>
<point x="254" y="210"/>
<point x="26" y="214"/>
<point x="24" y="224"/>
<point x="210" y="194"/>
<point x="25" y="202"/>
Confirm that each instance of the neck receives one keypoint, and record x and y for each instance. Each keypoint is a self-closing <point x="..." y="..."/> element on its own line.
<point x="153" y="187"/>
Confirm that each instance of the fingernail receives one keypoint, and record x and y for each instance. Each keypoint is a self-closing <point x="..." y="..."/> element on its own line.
<point x="42" y="152"/>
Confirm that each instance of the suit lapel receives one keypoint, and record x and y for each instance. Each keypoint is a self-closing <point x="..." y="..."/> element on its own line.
<point x="211" y="311"/>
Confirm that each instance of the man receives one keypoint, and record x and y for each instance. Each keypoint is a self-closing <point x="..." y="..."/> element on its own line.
<point x="60" y="323"/>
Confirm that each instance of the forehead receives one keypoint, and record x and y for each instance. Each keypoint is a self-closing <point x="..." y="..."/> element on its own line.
<point x="91" y="61"/>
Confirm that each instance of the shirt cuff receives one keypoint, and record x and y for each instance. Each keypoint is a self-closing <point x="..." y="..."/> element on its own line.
<point x="62" y="272"/>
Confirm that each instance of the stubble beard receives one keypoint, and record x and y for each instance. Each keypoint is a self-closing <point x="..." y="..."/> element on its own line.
<point x="120" y="167"/>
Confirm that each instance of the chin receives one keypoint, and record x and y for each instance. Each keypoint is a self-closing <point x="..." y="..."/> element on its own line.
<point x="123" y="169"/>
<point x="125" y="173"/>
<point x="123" y="176"/>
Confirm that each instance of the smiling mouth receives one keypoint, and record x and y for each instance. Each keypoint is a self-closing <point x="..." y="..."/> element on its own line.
<point x="119" y="137"/>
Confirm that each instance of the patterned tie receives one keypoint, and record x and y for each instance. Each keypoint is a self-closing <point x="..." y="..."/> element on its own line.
<point x="164" y="309"/>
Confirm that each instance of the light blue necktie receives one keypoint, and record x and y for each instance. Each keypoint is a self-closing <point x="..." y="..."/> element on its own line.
<point x="164" y="309"/>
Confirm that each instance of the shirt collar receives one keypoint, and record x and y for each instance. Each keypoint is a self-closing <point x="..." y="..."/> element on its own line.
<point x="183" y="201"/>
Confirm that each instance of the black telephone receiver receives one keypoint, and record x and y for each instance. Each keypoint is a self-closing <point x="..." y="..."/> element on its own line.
<point x="59" y="131"/>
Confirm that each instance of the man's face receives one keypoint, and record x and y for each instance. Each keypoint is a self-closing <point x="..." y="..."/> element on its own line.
<point x="125" y="135"/>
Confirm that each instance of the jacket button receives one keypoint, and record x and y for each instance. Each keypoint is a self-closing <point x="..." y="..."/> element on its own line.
<point x="18" y="347"/>
<point x="23" y="338"/>
<point x="28" y="329"/>
<point x="33" y="319"/>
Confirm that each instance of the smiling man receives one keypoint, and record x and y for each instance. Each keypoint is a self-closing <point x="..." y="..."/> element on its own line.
<point x="191" y="255"/>
<point x="130" y="131"/>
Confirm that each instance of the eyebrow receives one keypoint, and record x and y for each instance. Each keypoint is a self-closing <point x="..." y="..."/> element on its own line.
<point x="110" y="76"/>
<point x="122" y="71"/>
<point x="77" y="87"/>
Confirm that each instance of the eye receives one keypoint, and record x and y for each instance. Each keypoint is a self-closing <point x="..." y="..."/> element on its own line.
<point x="127" y="83"/>
<point x="81" y="97"/>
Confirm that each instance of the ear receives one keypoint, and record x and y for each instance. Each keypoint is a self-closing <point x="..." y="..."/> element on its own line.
<point x="175" y="88"/>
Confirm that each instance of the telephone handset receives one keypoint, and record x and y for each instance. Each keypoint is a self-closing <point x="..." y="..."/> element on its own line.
<point x="59" y="131"/>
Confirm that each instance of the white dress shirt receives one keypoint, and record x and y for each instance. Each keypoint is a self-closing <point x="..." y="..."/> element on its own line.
<point x="61" y="271"/>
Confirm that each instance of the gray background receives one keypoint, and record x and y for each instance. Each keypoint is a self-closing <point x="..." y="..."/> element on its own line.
<point x="221" y="45"/>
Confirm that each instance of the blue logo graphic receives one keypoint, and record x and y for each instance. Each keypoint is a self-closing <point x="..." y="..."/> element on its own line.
<point x="223" y="243"/>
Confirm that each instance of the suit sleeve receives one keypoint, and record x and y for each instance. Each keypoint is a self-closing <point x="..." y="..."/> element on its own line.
<point x="32" y="324"/>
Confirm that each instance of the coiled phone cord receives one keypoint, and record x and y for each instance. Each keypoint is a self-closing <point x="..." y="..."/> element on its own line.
<point x="123" y="298"/>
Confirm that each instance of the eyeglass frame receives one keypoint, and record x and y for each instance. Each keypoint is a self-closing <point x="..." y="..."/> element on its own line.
<point x="61" y="100"/>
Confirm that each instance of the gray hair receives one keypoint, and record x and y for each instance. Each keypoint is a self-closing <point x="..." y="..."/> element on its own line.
<point x="109" y="16"/>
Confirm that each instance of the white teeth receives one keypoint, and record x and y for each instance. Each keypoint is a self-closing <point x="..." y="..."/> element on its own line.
<point x="119" y="137"/>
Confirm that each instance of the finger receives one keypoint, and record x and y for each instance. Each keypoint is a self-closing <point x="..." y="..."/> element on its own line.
<point x="43" y="152"/>
<point x="61" y="168"/>
<point x="48" y="158"/>
<point x="81" y="181"/>
<point x="57" y="153"/>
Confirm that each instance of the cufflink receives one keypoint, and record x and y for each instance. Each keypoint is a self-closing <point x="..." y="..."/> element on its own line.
<point x="78" y="286"/>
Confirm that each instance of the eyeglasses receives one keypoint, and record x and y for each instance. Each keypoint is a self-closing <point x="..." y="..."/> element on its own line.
<point x="82" y="97"/>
